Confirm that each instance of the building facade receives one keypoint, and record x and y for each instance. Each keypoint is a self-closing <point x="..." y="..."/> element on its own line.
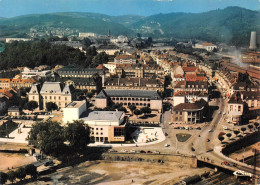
<point x="139" y="98"/>
<point x="55" y="92"/>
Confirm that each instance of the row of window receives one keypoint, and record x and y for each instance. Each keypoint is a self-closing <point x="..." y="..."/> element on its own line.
<point x="133" y="99"/>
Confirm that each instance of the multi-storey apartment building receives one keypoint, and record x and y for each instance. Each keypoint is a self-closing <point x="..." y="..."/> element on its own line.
<point x="125" y="59"/>
<point x="139" y="98"/>
<point x="191" y="86"/>
<point x="55" y="92"/>
<point x="135" y="83"/>
<point x="139" y="71"/>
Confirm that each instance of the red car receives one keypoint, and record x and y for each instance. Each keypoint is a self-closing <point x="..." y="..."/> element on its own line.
<point x="225" y="163"/>
<point x="149" y="152"/>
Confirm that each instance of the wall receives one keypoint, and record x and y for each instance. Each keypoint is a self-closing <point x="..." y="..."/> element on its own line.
<point x="156" y="105"/>
<point x="101" y="103"/>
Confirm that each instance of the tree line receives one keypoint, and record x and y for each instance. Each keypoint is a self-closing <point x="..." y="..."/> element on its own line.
<point x="42" y="52"/>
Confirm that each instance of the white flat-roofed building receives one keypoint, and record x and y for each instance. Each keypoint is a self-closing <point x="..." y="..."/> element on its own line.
<point x="73" y="111"/>
<point x="105" y="126"/>
<point x="9" y="40"/>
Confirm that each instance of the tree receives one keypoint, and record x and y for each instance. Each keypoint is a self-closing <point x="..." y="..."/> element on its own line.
<point x="3" y="177"/>
<point x="236" y="132"/>
<point x="229" y="135"/>
<point x="146" y="110"/>
<point x="221" y="138"/>
<point x="11" y="176"/>
<point x="101" y="58"/>
<point x="31" y="105"/>
<point x="137" y="112"/>
<point x="50" y="106"/>
<point x="31" y="170"/>
<point x="243" y="129"/>
<point x="256" y="124"/>
<point x="48" y="137"/>
<point x="90" y="95"/>
<point x="250" y="127"/>
<point x="132" y="107"/>
<point x="78" y="135"/>
<point x="21" y="173"/>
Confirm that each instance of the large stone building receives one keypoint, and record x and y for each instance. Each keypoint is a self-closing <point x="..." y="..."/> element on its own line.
<point x="188" y="97"/>
<point x="139" y="98"/>
<point x="75" y="72"/>
<point x="55" y="92"/>
<point x="105" y="126"/>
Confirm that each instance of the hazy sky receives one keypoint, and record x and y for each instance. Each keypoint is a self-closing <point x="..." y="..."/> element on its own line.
<point x="10" y="8"/>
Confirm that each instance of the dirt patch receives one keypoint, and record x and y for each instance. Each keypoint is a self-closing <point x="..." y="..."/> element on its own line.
<point x="14" y="160"/>
<point x="118" y="173"/>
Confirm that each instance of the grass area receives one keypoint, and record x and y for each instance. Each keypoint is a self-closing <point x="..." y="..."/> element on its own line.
<point x="11" y="126"/>
<point x="182" y="137"/>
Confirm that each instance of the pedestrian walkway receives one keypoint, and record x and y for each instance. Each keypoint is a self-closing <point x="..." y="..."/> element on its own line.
<point x="142" y="136"/>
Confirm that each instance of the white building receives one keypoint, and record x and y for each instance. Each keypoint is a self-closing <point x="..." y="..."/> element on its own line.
<point x="205" y="45"/>
<point x="105" y="126"/>
<point x="9" y="40"/>
<point x="87" y="34"/>
<point x="235" y="109"/>
<point x="111" y="66"/>
<point x="29" y="73"/>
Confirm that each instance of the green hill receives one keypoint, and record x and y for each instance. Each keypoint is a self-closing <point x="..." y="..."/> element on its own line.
<point x="231" y="25"/>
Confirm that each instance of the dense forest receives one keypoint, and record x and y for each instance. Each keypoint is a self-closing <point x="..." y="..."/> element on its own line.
<point x="42" y="52"/>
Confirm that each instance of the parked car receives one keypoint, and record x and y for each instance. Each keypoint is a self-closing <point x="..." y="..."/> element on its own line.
<point x="208" y="140"/>
<point x="225" y="163"/>
<point x="49" y="163"/>
<point x="166" y="145"/>
<point x="132" y="151"/>
<point x="198" y="128"/>
<point x="149" y="152"/>
<point x="166" y="134"/>
<point x="123" y="150"/>
<point x="210" y="130"/>
<point x="156" y="152"/>
<point x="142" y="151"/>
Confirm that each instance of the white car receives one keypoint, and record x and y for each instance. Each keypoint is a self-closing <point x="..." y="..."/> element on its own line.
<point x="123" y="150"/>
<point x="132" y="151"/>
<point x="166" y="145"/>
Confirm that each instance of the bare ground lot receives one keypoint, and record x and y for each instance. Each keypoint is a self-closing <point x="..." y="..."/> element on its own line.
<point x="120" y="173"/>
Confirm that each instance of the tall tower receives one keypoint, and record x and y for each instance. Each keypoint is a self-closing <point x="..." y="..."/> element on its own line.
<point x="253" y="40"/>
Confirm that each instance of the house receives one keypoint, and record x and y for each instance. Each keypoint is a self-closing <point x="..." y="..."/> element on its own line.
<point x="190" y="113"/>
<point x="55" y="92"/>
<point x="139" y="98"/>
<point x="105" y="126"/>
<point x="235" y="109"/>
<point x="14" y="111"/>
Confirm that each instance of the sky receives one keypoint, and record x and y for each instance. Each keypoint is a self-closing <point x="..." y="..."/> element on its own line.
<point x="11" y="8"/>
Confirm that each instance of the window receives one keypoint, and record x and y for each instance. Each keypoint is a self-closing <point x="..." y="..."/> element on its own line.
<point x="96" y="133"/>
<point x="239" y="108"/>
<point x="96" y="128"/>
<point x="33" y="97"/>
<point x="65" y="98"/>
<point x="101" y="128"/>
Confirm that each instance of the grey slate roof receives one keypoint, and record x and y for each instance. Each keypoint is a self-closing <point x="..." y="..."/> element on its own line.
<point x="129" y="93"/>
<point x="55" y="87"/>
<point x="102" y="115"/>
<point x="82" y="71"/>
